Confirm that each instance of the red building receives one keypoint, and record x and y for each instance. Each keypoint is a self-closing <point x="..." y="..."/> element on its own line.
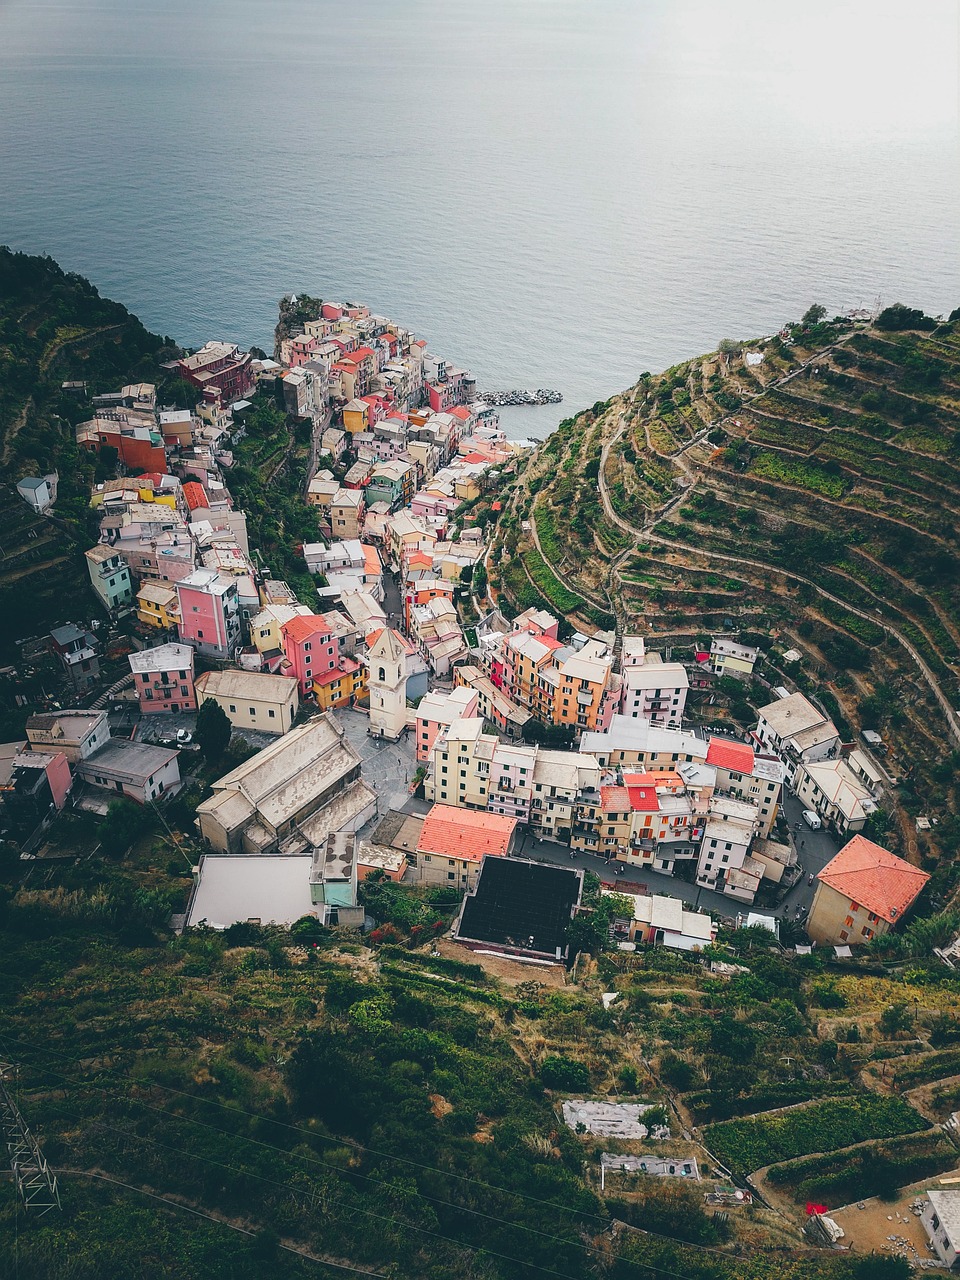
<point x="221" y="366"/>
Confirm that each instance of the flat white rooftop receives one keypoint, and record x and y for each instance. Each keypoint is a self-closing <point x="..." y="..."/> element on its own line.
<point x="238" y="887"/>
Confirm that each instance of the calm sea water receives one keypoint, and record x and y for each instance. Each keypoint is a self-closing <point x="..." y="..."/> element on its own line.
<point x="557" y="193"/>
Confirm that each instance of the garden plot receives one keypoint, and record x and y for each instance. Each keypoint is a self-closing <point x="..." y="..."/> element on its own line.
<point x="612" y="1119"/>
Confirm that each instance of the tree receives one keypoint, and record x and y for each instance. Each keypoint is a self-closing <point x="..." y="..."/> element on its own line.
<point x="213" y="730"/>
<point x="123" y="822"/>
<point x="813" y="315"/>
<point x="900" y="317"/>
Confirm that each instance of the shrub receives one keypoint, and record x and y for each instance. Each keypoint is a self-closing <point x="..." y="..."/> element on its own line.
<point x="559" y="1072"/>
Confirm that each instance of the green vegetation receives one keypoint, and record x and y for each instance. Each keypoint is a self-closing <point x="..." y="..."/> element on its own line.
<point x="875" y="1170"/>
<point x="745" y="1145"/>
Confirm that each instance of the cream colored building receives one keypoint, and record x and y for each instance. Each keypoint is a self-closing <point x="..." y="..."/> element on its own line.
<point x="346" y="514"/>
<point x="461" y="759"/>
<point x="386" y="663"/>
<point x="251" y="699"/>
<point x="863" y="892"/>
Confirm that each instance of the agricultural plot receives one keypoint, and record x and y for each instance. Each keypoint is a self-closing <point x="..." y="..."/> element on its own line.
<point x="748" y="1144"/>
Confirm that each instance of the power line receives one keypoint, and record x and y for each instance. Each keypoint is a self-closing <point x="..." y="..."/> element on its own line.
<point x="653" y="1268"/>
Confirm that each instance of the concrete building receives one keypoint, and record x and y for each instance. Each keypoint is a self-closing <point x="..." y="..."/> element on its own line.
<point x="133" y="769"/>
<point x="863" y="892"/>
<point x="78" y="734"/>
<point x="252" y="699"/>
<point x="109" y="577"/>
<point x="163" y="678"/>
<point x="78" y="651"/>
<point x="333" y="882"/>
<point x="209" y="605"/>
<point x="794" y="729"/>
<point x="310" y="647"/>
<point x="346" y="513"/>
<point x="727" y="658"/>
<point x="386" y="664"/>
<point x="941" y="1221"/>
<point x="38" y="785"/>
<point x="652" y="689"/>
<point x="157" y="607"/>
<point x="290" y="796"/>
<point x="832" y="789"/>
<point x="521" y="908"/>
<point x="39" y="493"/>
<point x="453" y="843"/>
<point x="660" y="921"/>
<point x="438" y="711"/>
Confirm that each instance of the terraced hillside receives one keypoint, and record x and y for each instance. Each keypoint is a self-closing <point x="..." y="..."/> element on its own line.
<point x="804" y="487"/>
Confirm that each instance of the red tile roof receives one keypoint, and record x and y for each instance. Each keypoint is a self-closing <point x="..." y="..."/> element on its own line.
<point x="642" y="789"/>
<point x="305" y="627"/>
<point x="875" y="878"/>
<point x="465" y="833"/>
<point x="460" y="411"/>
<point x="730" y="755"/>
<point x="475" y="457"/>
<point x="195" y="495"/>
<point x="347" y="667"/>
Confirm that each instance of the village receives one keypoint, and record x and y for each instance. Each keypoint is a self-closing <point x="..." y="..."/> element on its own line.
<point x="386" y="722"/>
<point x="575" y="748"/>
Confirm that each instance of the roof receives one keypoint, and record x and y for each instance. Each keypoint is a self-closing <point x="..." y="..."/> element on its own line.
<point x="305" y="626"/>
<point x="669" y="914"/>
<point x="615" y="799"/>
<point x="195" y="495"/>
<point x="233" y="888"/>
<point x="246" y="684"/>
<point x="875" y="878"/>
<point x="134" y="761"/>
<point x="791" y="715"/>
<point x="281" y="780"/>
<point x="736" y="756"/>
<point x="522" y="904"/>
<point x="465" y="833"/>
<point x="947" y="1206"/>
<point x="165" y="657"/>
<point x="642" y="788"/>
<point x="100" y="553"/>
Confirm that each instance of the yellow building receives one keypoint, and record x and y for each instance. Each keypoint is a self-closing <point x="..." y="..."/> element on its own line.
<point x="157" y="606"/>
<point x="265" y="627"/>
<point x="355" y="416"/>
<point x="342" y="686"/>
<point x="863" y="892"/>
<point x="251" y="699"/>
<point x="460" y="775"/>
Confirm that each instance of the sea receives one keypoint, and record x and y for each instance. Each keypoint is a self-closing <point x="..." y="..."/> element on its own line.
<point x="554" y="193"/>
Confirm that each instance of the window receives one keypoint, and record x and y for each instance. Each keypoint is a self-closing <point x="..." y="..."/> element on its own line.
<point x="383" y="674"/>
<point x="253" y="711"/>
<point x="848" y="921"/>
<point x="199" y="635"/>
<point x="271" y="714"/>
<point x="844" y="935"/>
<point x="232" y="707"/>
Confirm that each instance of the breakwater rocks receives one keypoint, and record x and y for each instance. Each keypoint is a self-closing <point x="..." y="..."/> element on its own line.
<point x="542" y="396"/>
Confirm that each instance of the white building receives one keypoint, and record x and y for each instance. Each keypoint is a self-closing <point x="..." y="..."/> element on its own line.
<point x="941" y="1221"/>
<point x="386" y="662"/>
<point x="652" y="689"/>
<point x="794" y="729"/>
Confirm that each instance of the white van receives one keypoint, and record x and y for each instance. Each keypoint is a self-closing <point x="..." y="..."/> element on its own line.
<point x="812" y="819"/>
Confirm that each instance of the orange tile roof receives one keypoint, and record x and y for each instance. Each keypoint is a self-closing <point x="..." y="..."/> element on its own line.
<point x="347" y="667"/>
<point x="371" y="560"/>
<point x="465" y="833"/>
<point x="194" y="494"/>
<point x="305" y="626"/>
<point x="875" y="878"/>
<point x="460" y="411"/>
<point x="730" y="755"/>
<point x="615" y="799"/>
<point x="642" y="789"/>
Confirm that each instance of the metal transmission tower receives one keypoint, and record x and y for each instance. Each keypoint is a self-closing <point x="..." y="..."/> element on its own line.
<point x="36" y="1185"/>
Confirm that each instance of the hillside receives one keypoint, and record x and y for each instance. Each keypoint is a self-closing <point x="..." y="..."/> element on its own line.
<point x="55" y="328"/>
<point x="804" y="489"/>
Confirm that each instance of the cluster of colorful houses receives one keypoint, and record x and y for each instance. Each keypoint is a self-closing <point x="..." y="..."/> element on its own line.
<point x="407" y="447"/>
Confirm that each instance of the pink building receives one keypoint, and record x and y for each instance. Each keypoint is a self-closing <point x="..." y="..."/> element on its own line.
<point x="38" y="779"/>
<point x="438" y="711"/>
<point x="312" y="649"/>
<point x="163" y="678"/>
<point x="433" y="504"/>
<point x="209" y="613"/>
<point x="302" y="349"/>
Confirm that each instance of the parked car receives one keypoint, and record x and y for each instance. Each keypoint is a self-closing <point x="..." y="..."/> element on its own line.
<point x="812" y="819"/>
<point x="184" y="737"/>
